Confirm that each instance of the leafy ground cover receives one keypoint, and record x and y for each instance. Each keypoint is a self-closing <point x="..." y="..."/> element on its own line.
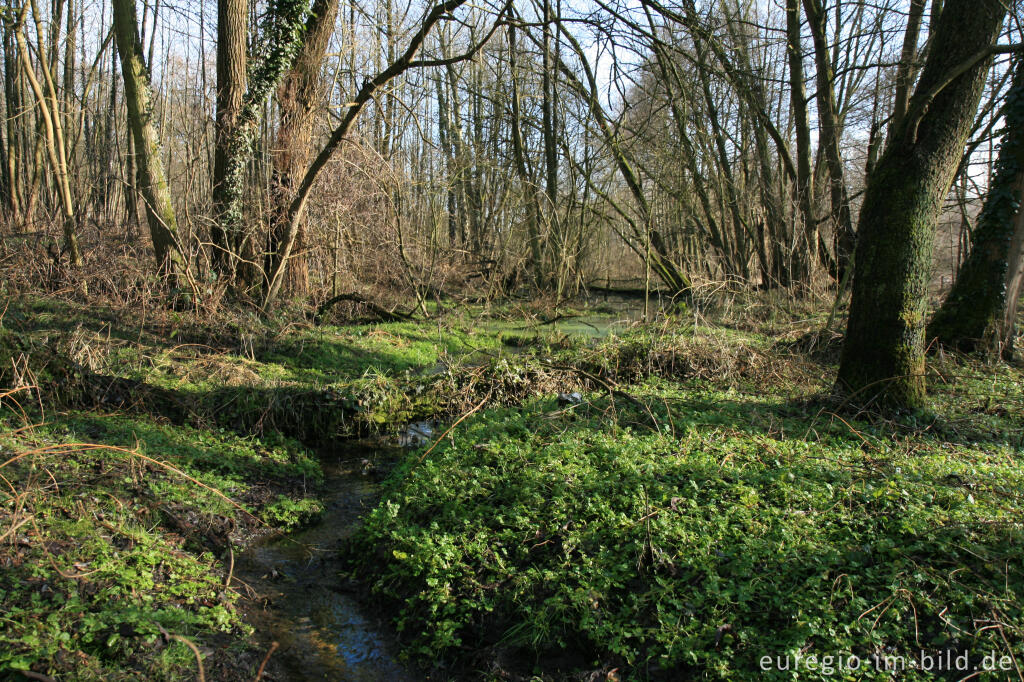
<point x="719" y="513"/>
<point x="704" y="506"/>
<point x="150" y="452"/>
<point x="117" y="534"/>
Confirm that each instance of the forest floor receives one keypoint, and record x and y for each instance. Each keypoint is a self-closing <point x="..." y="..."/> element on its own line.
<point x="702" y="504"/>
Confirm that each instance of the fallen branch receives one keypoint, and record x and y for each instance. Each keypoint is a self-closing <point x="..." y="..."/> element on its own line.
<point x="383" y="314"/>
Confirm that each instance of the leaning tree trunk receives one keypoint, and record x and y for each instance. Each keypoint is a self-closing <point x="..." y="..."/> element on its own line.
<point x="53" y="132"/>
<point x="980" y="309"/>
<point x="163" y="226"/>
<point x="883" y="354"/>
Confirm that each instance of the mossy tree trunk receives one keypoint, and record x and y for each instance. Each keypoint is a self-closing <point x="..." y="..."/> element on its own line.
<point x="883" y="354"/>
<point x="979" y="312"/>
<point x="163" y="225"/>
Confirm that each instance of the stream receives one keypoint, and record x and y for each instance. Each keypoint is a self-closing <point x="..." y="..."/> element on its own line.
<point x="324" y="631"/>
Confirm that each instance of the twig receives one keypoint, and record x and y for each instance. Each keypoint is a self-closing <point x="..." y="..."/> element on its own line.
<point x="195" y="650"/>
<point x="450" y="428"/>
<point x="259" y="673"/>
<point x="231" y="566"/>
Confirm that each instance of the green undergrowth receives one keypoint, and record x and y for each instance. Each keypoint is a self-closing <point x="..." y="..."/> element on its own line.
<point x="700" y="526"/>
<point x="703" y="507"/>
<point x="116" y="536"/>
<point x="313" y="383"/>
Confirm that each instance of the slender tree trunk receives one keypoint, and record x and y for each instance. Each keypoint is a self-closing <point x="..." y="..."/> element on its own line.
<point x="729" y="193"/>
<point x="529" y="189"/>
<point x="6" y="202"/>
<point x="54" y="140"/>
<point x="905" y="71"/>
<point x="13" y="162"/>
<point x="655" y="253"/>
<point x="676" y="100"/>
<point x="444" y="131"/>
<point x="883" y="353"/>
<point x="829" y="126"/>
<point x="71" y="113"/>
<point x="804" y="264"/>
<point x="979" y="312"/>
<point x="163" y="225"/>
<point x="548" y="127"/>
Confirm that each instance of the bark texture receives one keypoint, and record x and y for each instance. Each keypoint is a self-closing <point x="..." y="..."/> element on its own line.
<point x="232" y="62"/>
<point x="979" y="312"/>
<point x="163" y="225"/>
<point x="300" y="91"/>
<point x="883" y="354"/>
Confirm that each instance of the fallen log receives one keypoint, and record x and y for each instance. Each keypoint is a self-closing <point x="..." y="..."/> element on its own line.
<point x="382" y="314"/>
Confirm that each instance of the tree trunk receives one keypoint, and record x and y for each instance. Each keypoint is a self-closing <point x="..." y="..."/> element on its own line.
<point x="883" y="353"/>
<point x="980" y="309"/>
<point x="163" y="226"/>
<point x="232" y="62"/>
<point x="54" y="139"/>
<point x="529" y="188"/>
<point x="281" y="37"/>
<point x="13" y="160"/>
<point x="6" y="196"/>
<point x="829" y="130"/>
<point x="365" y="94"/>
<point x="905" y="71"/>
<point x="804" y="263"/>
<point x="548" y="131"/>
<point x="297" y="96"/>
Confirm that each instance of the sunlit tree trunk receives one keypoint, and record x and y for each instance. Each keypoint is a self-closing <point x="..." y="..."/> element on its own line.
<point x="298" y="95"/>
<point x="883" y="354"/>
<point x="53" y="133"/>
<point x="805" y="261"/>
<point x="829" y="131"/>
<point x="232" y="62"/>
<point x="163" y="225"/>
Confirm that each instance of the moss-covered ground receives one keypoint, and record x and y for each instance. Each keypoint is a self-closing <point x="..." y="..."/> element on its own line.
<point x="705" y="505"/>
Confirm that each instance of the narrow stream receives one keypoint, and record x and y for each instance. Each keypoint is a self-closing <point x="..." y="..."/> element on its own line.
<point x="324" y="632"/>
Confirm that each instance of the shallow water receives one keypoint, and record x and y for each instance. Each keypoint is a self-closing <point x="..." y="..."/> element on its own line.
<point x="324" y="632"/>
<point x="610" y="317"/>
